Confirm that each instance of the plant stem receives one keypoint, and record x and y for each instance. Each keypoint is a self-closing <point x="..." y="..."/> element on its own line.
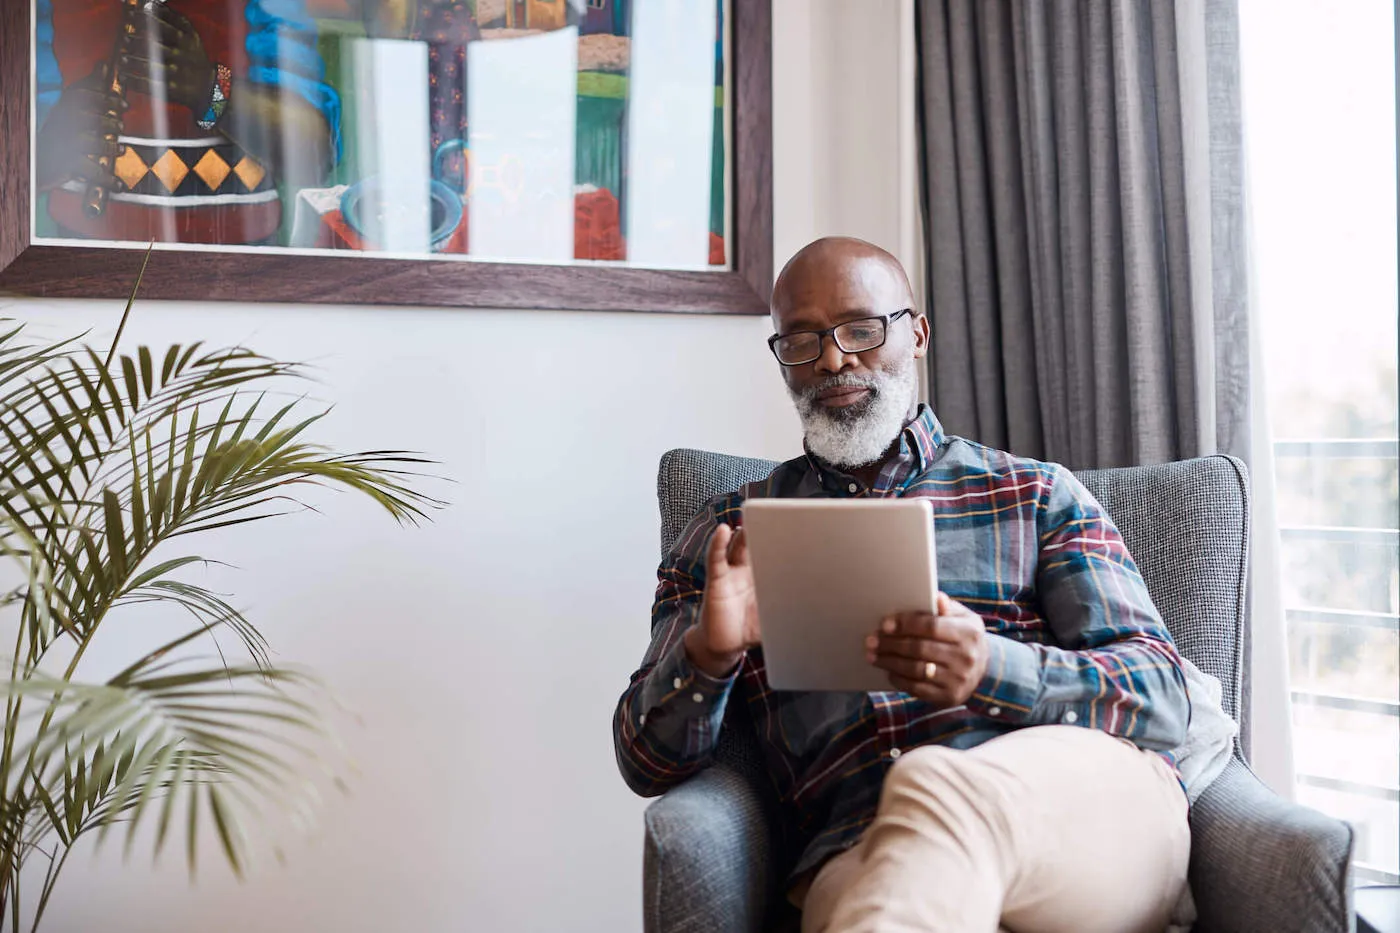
<point x="11" y="721"/>
<point x="8" y="871"/>
<point x="50" y="880"/>
<point x="126" y="312"/>
<point x="14" y="898"/>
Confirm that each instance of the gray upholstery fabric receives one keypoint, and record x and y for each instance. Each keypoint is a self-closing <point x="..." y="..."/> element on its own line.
<point x="1259" y="864"/>
<point x="708" y="860"/>
<point x="687" y="479"/>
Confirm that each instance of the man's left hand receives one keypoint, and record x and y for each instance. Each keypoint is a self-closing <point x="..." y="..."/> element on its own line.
<point x="938" y="658"/>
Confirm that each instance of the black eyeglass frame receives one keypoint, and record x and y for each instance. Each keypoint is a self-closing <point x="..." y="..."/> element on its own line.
<point x="887" y="319"/>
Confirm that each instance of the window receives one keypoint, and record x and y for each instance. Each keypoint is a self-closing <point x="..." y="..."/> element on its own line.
<point x="1319" y="110"/>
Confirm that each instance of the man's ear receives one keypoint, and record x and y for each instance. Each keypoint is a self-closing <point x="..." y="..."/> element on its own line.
<point x="921" y="336"/>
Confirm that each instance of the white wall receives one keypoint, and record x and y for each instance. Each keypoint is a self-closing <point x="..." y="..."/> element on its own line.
<point x="843" y="124"/>
<point x="485" y="652"/>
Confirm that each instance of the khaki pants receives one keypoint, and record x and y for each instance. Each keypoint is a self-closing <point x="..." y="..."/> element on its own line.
<point x="1050" y="829"/>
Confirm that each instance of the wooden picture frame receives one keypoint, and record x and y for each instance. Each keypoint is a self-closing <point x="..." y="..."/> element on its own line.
<point x="62" y="271"/>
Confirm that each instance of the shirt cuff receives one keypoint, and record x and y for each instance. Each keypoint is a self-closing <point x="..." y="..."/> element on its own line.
<point x="1010" y="690"/>
<point x="678" y="688"/>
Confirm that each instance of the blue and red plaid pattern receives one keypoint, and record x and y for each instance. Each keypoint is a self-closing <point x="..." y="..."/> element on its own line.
<point x="1073" y="638"/>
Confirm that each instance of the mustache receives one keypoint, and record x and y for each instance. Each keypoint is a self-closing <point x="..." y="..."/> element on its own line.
<point x="842" y="381"/>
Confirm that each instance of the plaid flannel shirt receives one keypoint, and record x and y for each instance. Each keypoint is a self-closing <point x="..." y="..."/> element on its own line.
<point x="1073" y="638"/>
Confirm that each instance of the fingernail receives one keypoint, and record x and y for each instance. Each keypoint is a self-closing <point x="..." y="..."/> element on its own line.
<point x="888" y="626"/>
<point x="872" y="642"/>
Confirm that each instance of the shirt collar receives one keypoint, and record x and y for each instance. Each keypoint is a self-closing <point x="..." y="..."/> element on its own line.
<point x="926" y="435"/>
<point x="918" y="445"/>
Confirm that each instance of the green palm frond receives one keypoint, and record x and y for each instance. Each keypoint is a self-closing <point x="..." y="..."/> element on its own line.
<point x="119" y="747"/>
<point x="106" y="460"/>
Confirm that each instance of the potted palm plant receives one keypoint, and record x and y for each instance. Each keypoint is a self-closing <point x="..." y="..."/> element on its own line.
<point x="111" y="466"/>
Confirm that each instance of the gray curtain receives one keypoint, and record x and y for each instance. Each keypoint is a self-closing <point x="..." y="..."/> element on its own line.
<point x="1082" y="183"/>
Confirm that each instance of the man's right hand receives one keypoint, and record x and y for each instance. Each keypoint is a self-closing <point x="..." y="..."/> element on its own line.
<point x="728" y="611"/>
<point x="163" y="56"/>
<point x="79" y="132"/>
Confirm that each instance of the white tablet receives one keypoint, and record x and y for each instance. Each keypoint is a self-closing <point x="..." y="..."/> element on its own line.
<point x="826" y="571"/>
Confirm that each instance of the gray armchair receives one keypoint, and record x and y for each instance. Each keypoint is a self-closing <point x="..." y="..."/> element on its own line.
<point x="715" y="855"/>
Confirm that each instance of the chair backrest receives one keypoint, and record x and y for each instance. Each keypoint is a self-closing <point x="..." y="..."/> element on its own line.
<point x="1185" y="523"/>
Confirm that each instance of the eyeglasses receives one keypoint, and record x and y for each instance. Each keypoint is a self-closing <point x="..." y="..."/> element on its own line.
<point x="804" y="346"/>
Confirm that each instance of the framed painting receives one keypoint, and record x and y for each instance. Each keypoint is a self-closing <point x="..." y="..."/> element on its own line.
<point x="566" y="154"/>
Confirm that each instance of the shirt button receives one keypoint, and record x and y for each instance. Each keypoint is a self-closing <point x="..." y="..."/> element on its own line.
<point x="994" y="711"/>
<point x="642" y="719"/>
<point x="1071" y="717"/>
<point x="853" y="488"/>
<point x="895" y="753"/>
<point x="698" y="697"/>
<point x="677" y="683"/>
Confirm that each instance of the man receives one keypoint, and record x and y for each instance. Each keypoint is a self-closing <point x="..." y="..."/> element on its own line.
<point x="214" y="104"/>
<point x="1016" y="776"/>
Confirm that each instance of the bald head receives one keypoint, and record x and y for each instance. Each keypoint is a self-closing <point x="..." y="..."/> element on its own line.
<point x="849" y="348"/>
<point x="838" y="274"/>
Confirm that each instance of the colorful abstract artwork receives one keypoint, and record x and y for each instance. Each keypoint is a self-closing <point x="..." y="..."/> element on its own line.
<point x="547" y="131"/>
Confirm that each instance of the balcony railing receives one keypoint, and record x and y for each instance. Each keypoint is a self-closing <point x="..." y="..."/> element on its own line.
<point x="1380" y="448"/>
<point x="1386" y="621"/>
<point x="1337" y="449"/>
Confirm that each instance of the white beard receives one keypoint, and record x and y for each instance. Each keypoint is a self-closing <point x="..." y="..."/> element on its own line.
<point x="858" y="435"/>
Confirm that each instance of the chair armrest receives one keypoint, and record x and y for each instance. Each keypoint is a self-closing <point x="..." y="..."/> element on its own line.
<point x="1260" y="864"/>
<point x="708" y="861"/>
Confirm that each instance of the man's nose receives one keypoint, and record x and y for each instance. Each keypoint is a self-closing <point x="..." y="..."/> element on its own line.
<point x="833" y="359"/>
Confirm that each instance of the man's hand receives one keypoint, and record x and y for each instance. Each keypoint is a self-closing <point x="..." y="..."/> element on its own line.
<point x="163" y="56"/>
<point x="728" y="611"/>
<point x="938" y="658"/>
<point x="79" y="135"/>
